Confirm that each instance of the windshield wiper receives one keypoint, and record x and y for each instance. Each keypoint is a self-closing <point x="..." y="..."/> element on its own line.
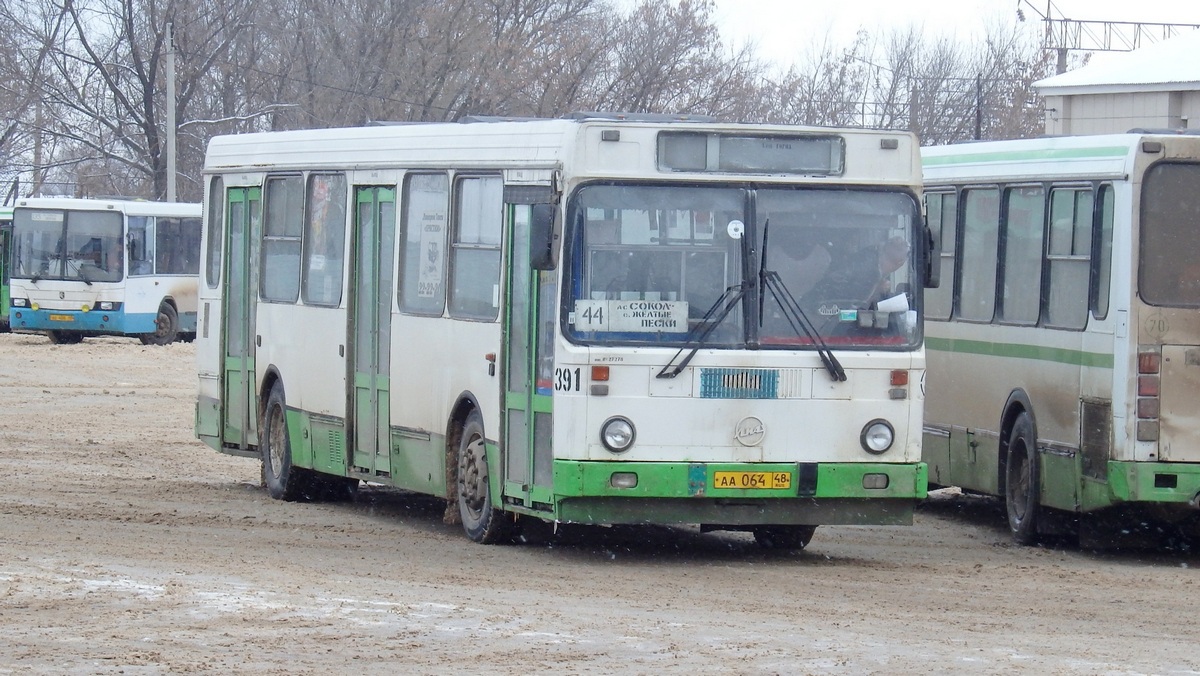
<point x="769" y="280"/>
<point x="698" y="335"/>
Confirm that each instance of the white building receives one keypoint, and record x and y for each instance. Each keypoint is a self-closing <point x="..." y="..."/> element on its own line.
<point x="1155" y="87"/>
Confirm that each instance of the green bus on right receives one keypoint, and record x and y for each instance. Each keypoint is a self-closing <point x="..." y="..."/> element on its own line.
<point x="1064" y="341"/>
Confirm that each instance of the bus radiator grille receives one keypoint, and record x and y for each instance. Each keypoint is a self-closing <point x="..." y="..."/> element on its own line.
<point x="731" y="383"/>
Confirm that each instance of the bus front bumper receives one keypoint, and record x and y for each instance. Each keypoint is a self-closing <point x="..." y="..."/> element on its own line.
<point x="737" y="494"/>
<point x="92" y="321"/>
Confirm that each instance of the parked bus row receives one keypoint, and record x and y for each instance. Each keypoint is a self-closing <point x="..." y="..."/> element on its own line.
<point x="82" y="267"/>
<point x="611" y="320"/>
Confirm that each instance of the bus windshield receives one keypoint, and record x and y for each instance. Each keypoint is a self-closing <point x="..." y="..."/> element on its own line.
<point x="74" y="245"/>
<point x="846" y="258"/>
<point x="648" y="263"/>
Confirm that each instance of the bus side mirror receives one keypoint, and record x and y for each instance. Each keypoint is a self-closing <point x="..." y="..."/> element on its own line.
<point x="933" y="260"/>
<point x="543" y="237"/>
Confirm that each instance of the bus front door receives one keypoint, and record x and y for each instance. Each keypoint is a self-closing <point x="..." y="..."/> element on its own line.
<point x="529" y="370"/>
<point x="371" y="329"/>
<point x="240" y="414"/>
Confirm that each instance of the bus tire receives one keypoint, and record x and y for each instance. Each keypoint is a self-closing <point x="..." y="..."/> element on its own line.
<point x="283" y="481"/>
<point x="166" y="327"/>
<point x="65" y="337"/>
<point x="1022" y="481"/>
<point x="481" y="522"/>
<point x="789" y="538"/>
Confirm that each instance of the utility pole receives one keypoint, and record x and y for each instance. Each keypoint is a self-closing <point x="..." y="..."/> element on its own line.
<point x="169" y="64"/>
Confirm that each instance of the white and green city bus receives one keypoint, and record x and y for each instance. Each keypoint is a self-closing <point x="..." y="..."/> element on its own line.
<point x="1064" y="343"/>
<point x="94" y="267"/>
<point x="588" y="320"/>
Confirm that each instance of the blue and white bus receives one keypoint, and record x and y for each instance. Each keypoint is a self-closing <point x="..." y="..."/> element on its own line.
<point x="82" y="267"/>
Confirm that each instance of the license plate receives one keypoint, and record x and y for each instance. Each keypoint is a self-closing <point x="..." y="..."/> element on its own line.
<point x="754" y="480"/>
<point x="61" y="318"/>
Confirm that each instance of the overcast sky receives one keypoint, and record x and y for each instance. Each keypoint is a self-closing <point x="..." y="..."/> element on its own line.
<point x="783" y="29"/>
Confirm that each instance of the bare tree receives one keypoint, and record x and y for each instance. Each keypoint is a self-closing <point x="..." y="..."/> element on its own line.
<point x="101" y="84"/>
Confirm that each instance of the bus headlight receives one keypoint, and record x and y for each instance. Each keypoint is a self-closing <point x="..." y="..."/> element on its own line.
<point x="877" y="436"/>
<point x="617" y="434"/>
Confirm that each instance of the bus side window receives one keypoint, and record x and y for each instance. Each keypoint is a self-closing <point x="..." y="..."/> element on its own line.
<point x="141" y="245"/>
<point x="283" y="223"/>
<point x="475" y="288"/>
<point x="215" y="230"/>
<point x="1103" y="265"/>
<point x="977" y="299"/>
<point x="1069" y="253"/>
<point x="422" y="275"/>
<point x="942" y="210"/>
<point x="1022" y="259"/>
<point x="324" y="239"/>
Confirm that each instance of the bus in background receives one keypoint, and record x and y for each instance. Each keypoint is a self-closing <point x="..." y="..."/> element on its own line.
<point x="597" y="320"/>
<point x="85" y="267"/>
<point x="5" y="239"/>
<point x="1064" y="345"/>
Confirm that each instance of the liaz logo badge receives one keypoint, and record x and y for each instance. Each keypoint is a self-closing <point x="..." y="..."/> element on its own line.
<point x="749" y="431"/>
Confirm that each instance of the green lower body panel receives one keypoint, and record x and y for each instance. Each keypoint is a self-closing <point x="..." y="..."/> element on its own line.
<point x="1158" y="483"/>
<point x="736" y="494"/>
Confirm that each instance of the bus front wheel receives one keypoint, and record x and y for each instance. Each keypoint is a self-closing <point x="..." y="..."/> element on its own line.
<point x="166" y="327"/>
<point x="784" y="537"/>
<point x="482" y="522"/>
<point x="65" y="337"/>
<point x="283" y="481"/>
<point x="1022" y="481"/>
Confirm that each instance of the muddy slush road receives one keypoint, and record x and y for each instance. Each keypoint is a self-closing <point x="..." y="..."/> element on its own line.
<point x="126" y="546"/>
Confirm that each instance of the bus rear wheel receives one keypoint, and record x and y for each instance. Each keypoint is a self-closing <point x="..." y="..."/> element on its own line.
<point x="784" y="537"/>
<point x="65" y="337"/>
<point x="283" y="481"/>
<point x="1022" y="482"/>
<point x="166" y="327"/>
<point x="480" y="520"/>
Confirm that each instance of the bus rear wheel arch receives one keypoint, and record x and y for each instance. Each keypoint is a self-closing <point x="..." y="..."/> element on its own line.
<point x="166" y="326"/>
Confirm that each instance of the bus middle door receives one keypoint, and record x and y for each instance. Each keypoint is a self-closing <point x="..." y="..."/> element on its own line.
<point x="239" y="300"/>
<point x="370" y="329"/>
